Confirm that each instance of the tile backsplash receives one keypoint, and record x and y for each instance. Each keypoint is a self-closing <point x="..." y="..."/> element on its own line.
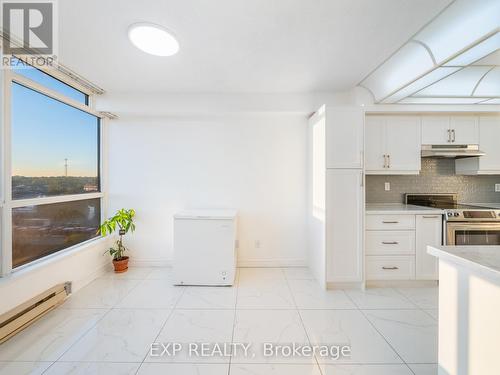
<point x="436" y="176"/>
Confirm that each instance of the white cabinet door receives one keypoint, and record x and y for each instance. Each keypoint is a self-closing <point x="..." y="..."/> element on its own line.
<point x="428" y="232"/>
<point x="344" y="225"/>
<point x="464" y="130"/>
<point x="403" y="144"/>
<point x="489" y="136"/>
<point x="344" y="138"/>
<point x="435" y="130"/>
<point x="375" y="144"/>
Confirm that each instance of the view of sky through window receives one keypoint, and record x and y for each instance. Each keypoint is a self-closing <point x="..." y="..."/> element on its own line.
<point x="55" y="147"/>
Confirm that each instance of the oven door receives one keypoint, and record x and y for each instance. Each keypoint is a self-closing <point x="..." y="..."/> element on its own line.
<point x="470" y="234"/>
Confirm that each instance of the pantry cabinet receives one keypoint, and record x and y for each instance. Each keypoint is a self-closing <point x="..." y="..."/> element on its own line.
<point x="344" y="220"/>
<point x="489" y="135"/>
<point x="336" y="196"/>
<point x="392" y="144"/>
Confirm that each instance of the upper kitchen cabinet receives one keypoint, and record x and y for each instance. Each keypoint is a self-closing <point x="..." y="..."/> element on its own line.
<point x="344" y="137"/>
<point x="489" y="134"/>
<point x="443" y="130"/>
<point x="392" y="144"/>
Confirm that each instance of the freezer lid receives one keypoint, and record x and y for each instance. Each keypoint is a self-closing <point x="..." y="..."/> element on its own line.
<point x="222" y="214"/>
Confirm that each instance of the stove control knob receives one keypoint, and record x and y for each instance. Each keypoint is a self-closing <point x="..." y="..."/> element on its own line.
<point x="449" y="214"/>
<point x="456" y="214"/>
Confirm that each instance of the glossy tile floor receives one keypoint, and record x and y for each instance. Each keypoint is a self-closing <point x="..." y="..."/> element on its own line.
<point x="108" y="327"/>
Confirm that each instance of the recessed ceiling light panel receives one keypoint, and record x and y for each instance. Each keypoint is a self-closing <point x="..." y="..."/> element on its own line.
<point x="153" y="39"/>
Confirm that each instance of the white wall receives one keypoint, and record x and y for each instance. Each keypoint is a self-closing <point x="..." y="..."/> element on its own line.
<point x="255" y="163"/>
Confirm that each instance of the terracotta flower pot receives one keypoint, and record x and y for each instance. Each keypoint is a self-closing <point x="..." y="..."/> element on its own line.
<point x="121" y="265"/>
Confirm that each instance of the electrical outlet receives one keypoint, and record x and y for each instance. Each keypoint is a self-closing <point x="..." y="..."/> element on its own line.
<point x="387" y="186"/>
<point x="497" y="188"/>
<point x="257" y="244"/>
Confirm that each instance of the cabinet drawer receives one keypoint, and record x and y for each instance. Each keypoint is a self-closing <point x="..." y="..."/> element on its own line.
<point x="387" y="242"/>
<point x="390" y="267"/>
<point x="390" y="222"/>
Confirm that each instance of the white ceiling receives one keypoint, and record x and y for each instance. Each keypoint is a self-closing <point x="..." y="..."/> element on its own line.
<point x="239" y="45"/>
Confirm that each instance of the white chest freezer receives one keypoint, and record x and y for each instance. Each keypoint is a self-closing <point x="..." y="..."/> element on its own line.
<point x="204" y="247"/>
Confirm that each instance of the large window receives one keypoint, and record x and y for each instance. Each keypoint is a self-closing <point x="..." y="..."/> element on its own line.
<point x="51" y="167"/>
<point x="55" y="147"/>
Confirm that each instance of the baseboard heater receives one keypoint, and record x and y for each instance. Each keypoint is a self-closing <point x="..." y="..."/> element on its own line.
<point x="22" y="316"/>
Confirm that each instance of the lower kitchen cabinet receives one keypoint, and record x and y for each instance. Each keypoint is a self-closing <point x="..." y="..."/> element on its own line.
<point x="429" y="229"/>
<point x="396" y="246"/>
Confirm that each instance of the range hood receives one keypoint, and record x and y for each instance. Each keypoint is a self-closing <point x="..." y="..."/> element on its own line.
<point x="451" y="151"/>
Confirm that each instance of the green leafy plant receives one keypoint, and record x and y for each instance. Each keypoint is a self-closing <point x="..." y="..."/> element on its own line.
<point x="123" y="221"/>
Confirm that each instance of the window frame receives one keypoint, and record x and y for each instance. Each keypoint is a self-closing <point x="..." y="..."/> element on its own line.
<point x="7" y="78"/>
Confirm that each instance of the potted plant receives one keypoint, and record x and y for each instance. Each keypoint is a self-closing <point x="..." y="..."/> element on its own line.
<point x="123" y="220"/>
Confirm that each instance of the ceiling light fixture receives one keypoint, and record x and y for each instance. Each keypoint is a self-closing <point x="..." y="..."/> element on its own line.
<point x="153" y="39"/>
<point x="457" y="55"/>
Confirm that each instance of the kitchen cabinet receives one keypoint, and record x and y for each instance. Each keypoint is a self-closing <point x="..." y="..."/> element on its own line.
<point x="396" y="246"/>
<point x="489" y="134"/>
<point x="443" y="130"/>
<point x="428" y="232"/>
<point x="344" y="220"/>
<point x="344" y="138"/>
<point x="392" y="145"/>
<point x="336" y="196"/>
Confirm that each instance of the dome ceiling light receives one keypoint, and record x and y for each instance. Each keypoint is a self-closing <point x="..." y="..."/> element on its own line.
<point x="153" y="39"/>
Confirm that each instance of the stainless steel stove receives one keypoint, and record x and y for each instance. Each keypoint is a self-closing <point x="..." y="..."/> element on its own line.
<point x="463" y="224"/>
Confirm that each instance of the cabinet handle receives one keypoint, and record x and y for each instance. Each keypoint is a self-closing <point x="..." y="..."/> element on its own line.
<point x="390" y="222"/>
<point x="385" y="161"/>
<point x="449" y="135"/>
<point x="390" y="268"/>
<point x="430" y="217"/>
<point x="453" y="133"/>
<point x="388" y="161"/>
<point x="390" y="242"/>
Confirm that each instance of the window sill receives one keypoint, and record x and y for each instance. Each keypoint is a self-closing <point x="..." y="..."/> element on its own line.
<point x="56" y="257"/>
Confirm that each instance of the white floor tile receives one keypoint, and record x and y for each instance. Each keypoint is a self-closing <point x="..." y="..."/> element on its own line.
<point x="257" y="274"/>
<point x="309" y="295"/>
<point x="160" y="273"/>
<point x="298" y="273"/>
<point x="196" y="326"/>
<point x="428" y="369"/>
<point x="412" y="333"/>
<point x="433" y="312"/>
<point x="23" y="368"/>
<point x="100" y="293"/>
<point x="425" y="298"/>
<point x="208" y="298"/>
<point x="268" y="326"/>
<point x="274" y="294"/>
<point x="348" y="327"/>
<point x="274" y="369"/>
<point x="48" y="338"/>
<point x="380" y="298"/>
<point x="183" y="369"/>
<point x="366" y="370"/>
<point x="137" y="273"/>
<point x="152" y="294"/>
<point x="121" y="336"/>
<point x="92" y="368"/>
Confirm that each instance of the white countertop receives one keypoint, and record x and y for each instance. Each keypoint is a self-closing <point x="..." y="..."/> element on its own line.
<point x="484" y="260"/>
<point x="400" y="208"/>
